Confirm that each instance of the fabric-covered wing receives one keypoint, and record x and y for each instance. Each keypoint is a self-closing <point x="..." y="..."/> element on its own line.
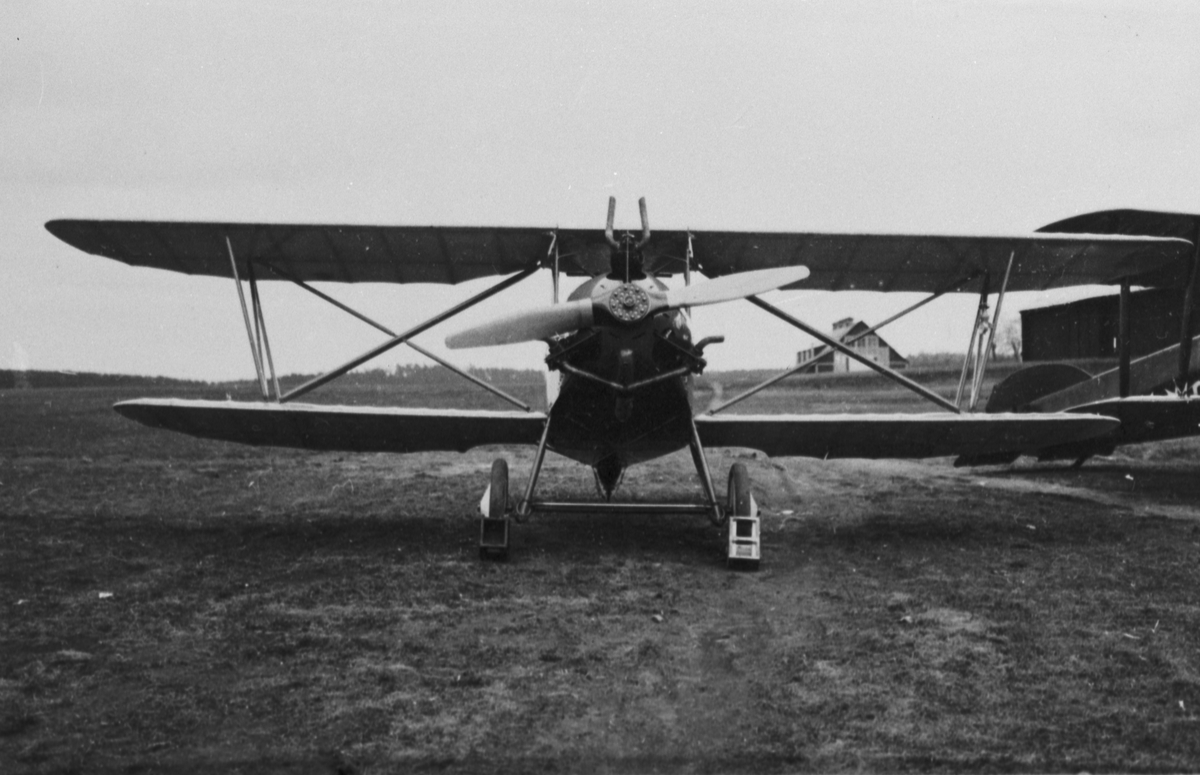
<point x="927" y="263"/>
<point x="452" y="254"/>
<point x="344" y="428"/>
<point x="350" y="254"/>
<point x="1141" y="418"/>
<point x="1140" y="222"/>
<point x="897" y="435"/>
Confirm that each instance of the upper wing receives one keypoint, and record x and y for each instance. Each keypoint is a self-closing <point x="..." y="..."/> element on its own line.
<point x="344" y="428"/>
<point x="927" y="263"/>
<point x="1141" y="222"/>
<point x="350" y="254"/>
<point x="897" y="435"/>
<point x="452" y="254"/>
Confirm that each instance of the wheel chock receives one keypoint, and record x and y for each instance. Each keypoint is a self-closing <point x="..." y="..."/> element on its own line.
<point x="744" y="551"/>
<point x="493" y="537"/>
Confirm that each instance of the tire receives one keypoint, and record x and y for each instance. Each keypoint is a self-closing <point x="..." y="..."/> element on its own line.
<point x="498" y="503"/>
<point x="737" y="502"/>
<point x="497" y="518"/>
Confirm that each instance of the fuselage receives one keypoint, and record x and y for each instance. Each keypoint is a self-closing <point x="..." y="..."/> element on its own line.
<point x="611" y="426"/>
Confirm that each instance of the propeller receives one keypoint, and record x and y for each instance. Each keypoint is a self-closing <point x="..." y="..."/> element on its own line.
<point x="735" y="286"/>
<point x="528" y="325"/>
<point x="624" y="305"/>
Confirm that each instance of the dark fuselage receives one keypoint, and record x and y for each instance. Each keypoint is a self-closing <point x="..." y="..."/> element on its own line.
<point x="610" y="428"/>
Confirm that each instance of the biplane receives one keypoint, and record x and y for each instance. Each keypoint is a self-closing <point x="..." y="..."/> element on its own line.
<point x="621" y="355"/>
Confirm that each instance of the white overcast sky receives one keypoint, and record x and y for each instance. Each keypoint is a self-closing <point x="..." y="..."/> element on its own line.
<point x="914" y="117"/>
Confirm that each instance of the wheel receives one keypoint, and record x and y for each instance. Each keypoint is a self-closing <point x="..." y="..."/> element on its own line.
<point x="498" y="503"/>
<point x="737" y="503"/>
<point x="743" y="547"/>
<point x="493" y="528"/>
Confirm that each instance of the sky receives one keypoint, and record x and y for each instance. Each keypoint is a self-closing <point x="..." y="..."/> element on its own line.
<point x="930" y="117"/>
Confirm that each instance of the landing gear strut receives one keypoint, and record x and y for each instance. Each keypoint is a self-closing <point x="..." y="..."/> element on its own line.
<point x="740" y="512"/>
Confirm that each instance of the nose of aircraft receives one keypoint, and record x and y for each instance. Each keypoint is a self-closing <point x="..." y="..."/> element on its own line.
<point x="626" y="304"/>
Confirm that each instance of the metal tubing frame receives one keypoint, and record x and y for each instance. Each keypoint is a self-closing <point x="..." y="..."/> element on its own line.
<point x="706" y="482"/>
<point x="885" y="371"/>
<point x="379" y="326"/>
<point x="524" y="508"/>
<point x="980" y="351"/>
<point x="590" y="507"/>
<point x="818" y="356"/>
<point x="554" y="272"/>
<point x="617" y="386"/>
<point x="395" y="341"/>
<point x="970" y="360"/>
<point x="324" y="297"/>
<point x="489" y="387"/>
<point x="981" y="371"/>
<point x="237" y="280"/>
<point x="554" y="359"/>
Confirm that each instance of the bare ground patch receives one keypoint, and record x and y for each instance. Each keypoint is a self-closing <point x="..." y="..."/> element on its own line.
<point x="176" y="605"/>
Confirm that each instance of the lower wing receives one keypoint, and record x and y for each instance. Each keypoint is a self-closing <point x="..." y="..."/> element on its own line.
<point x="1141" y="419"/>
<point x="344" y="428"/>
<point x="898" y="435"/>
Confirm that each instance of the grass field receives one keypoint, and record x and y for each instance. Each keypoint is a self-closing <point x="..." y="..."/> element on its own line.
<point x="176" y="605"/>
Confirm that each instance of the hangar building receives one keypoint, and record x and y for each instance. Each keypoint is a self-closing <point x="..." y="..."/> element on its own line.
<point x="1088" y="328"/>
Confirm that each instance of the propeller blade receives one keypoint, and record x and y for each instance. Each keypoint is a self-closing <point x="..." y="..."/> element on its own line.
<point x="544" y="322"/>
<point x="528" y="325"/>
<point x="735" y="286"/>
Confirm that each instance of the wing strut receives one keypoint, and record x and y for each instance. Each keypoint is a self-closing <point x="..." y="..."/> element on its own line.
<point x="1123" y="341"/>
<point x="260" y="327"/>
<point x="979" y="353"/>
<point x="1189" y="302"/>
<point x="971" y="359"/>
<point x="441" y="362"/>
<point x="829" y="341"/>
<point x="826" y="350"/>
<point x="399" y="339"/>
<point x="977" y="388"/>
<point x="258" y="367"/>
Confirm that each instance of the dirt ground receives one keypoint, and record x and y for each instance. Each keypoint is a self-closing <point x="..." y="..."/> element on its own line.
<point x="177" y="605"/>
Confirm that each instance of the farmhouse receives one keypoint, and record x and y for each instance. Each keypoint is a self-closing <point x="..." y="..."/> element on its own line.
<point x="871" y="346"/>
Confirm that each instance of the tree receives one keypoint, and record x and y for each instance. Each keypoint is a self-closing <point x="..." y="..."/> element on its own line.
<point x="1008" y="338"/>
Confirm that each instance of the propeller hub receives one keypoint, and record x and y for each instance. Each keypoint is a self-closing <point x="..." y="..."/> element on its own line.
<point x="629" y="303"/>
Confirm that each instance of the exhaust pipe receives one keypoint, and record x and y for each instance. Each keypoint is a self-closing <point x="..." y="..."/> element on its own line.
<point x="608" y="230"/>
<point x="645" y="223"/>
